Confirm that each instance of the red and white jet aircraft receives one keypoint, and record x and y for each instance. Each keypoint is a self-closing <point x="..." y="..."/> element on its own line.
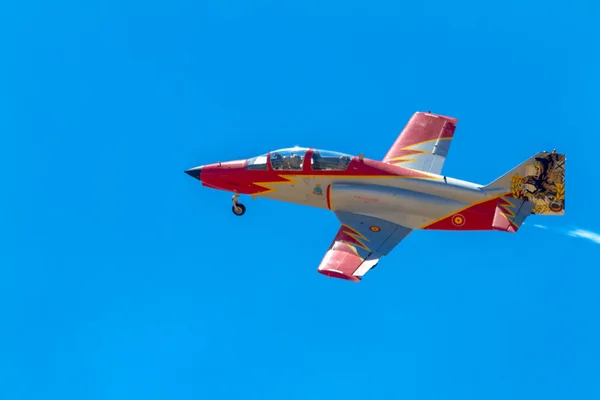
<point x="379" y="203"/>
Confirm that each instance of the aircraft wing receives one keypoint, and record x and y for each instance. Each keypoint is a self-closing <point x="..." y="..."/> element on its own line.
<point x="424" y="143"/>
<point x="359" y="244"/>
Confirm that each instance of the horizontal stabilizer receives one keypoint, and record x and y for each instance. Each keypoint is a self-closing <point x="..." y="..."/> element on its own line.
<point x="511" y="213"/>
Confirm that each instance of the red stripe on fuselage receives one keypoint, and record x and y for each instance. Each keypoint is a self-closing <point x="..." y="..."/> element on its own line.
<point x="478" y="217"/>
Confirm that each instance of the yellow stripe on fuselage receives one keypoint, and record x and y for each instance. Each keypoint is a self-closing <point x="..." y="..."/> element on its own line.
<point x="294" y="179"/>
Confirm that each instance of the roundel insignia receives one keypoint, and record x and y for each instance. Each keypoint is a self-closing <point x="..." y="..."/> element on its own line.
<point x="458" y="220"/>
<point x="375" y="228"/>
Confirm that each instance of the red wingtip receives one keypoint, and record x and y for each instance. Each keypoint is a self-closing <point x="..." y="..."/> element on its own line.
<point x="338" y="275"/>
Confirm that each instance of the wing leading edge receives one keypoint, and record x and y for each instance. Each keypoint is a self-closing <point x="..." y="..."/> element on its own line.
<point x="359" y="244"/>
<point x="424" y="143"/>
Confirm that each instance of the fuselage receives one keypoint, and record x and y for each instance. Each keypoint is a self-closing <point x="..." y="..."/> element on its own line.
<point x="333" y="181"/>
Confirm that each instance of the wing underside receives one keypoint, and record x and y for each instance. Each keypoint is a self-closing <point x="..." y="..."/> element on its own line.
<point x="359" y="244"/>
<point x="424" y="143"/>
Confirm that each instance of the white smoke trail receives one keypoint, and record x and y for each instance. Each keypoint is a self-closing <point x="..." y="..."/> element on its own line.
<point x="583" y="234"/>
<point x="576" y="233"/>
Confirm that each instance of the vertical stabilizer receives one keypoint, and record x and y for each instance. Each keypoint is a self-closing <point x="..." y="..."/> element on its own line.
<point x="539" y="180"/>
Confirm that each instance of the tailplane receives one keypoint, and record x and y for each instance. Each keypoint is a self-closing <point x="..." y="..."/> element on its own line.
<point x="536" y="186"/>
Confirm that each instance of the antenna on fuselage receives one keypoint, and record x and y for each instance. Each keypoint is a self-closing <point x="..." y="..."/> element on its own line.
<point x="361" y="156"/>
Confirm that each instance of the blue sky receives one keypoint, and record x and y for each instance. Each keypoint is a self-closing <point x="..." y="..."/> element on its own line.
<point x="121" y="277"/>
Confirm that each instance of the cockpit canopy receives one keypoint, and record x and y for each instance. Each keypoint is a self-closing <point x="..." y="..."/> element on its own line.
<point x="293" y="159"/>
<point x="325" y="160"/>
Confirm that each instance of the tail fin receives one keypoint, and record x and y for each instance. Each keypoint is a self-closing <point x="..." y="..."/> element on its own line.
<point x="539" y="181"/>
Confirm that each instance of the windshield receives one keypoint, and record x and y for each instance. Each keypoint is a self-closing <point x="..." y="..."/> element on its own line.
<point x="324" y="160"/>
<point x="259" y="162"/>
<point x="288" y="159"/>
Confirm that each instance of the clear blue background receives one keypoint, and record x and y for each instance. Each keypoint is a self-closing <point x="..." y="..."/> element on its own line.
<point x="122" y="278"/>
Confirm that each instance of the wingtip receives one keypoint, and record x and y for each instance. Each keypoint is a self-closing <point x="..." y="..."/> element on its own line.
<point x="452" y="120"/>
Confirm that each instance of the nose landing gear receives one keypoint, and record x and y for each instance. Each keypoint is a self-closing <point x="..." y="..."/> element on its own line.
<point x="238" y="208"/>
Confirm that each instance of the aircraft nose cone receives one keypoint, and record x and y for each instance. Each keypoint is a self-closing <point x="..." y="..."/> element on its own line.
<point x="194" y="172"/>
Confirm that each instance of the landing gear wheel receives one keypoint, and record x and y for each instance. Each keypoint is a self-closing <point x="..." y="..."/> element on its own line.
<point x="238" y="209"/>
